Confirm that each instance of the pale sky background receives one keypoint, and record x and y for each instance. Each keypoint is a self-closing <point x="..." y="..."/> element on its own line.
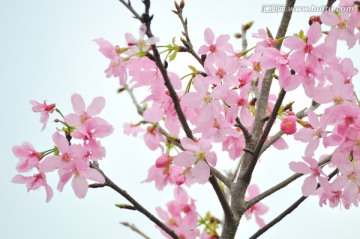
<point x="47" y="53"/>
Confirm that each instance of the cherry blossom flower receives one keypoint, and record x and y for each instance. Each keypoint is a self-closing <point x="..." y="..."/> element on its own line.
<point x="341" y="27"/>
<point x="310" y="183"/>
<point x="64" y="155"/>
<point x="312" y="134"/>
<point x="195" y="155"/>
<point x="215" y="47"/>
<point x="28" y="156"/>
<point x="83" y="113"/>
<point x="79" y="171"/>
<point x="180" y="216"/>
<point x="44" y="109"/>
<point x="139" y="46"/>
<point x="35" y="182"/>
<point x="117" y="66"/>
<point x="93" y="128"/>
<point x="266" y="42"/>
<point x="257" y="209"/>
<point x="329" y="192"/>
<point x="153" y="138"/>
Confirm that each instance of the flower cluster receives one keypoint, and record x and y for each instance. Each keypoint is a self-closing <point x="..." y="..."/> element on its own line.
<point x="71" y="161"/>
<point x="219" y="104"/>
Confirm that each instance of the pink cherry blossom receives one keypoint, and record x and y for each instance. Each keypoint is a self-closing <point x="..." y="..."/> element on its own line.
<point x="310" y="183"/>
<point x="93" y="128"/>
<point x="180" y="216"/>
<point x="341" y="27"/>
<point x="139" y="46"/>
<point x="257" y="209"/>
<point x="83" y="113"/>
<point x="35" y="182"/>
<point x="153" y="138"/>
<point x="28" y="156"/>
<point x="80" y="172"/>
<point x="117" y="66"/>
<point x="64" y="155"/>
<point x="329" y="192"/>
<point x="312" y="134"/>
<point x="195" y="155"/>
<point x="266" y="42"/>
<point x="44" y="109"/>
<point x="215" y="47"/>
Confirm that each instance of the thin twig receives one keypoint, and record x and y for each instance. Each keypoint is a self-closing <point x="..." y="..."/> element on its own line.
<point x="131" y="9"/>
<point x="139" y="108"/>
<point x="135" y="229"/>
<point x="138" y="206"/>
<point x="187" y="44"/>
<point x="244" y="130"/>
<point x="286" y="212"/>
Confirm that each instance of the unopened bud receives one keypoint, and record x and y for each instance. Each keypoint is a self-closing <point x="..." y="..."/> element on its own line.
<point x="247" y="26"/>
<point x="182" y="4"/>
<point x="237" y="35"/>
<point x="314" y="19"/>
<point x="163" y="161"/>
<point x="180" y="179"/>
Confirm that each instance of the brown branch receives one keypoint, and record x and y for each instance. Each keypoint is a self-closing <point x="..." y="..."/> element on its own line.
<point x="135" y="229"/>
<point x="221" y="196"/>
<point x="266" y="131"/>
<point x="286" y="212"/>
<point x="249" y="160"/>
<point x="137" y="205"/>
<point x="246" y="133"/>
<point x="330" y="3"/>
<point x="220" y="176"/>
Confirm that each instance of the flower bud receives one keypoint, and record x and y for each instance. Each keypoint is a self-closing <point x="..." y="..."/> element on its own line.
<point x="163" y="161"/>
<point x="288" y="126"/>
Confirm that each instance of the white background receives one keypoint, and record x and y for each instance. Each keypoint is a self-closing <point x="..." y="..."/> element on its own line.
<point x="47" y="53"/>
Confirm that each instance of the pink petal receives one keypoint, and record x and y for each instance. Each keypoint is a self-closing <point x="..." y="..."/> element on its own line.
<point x="61" y="142"/>
<point x="201" y="172"/>
<point x="94" y="175"/>
<point x="80" y="186"/>
<point x="209" y="36"/>
<point x="154" y="113"/>
<point x="329" y="18"/>
<point x="294" y="43"/>
<point x="78" y="104"/>
<point x="96" y="106"/>
<point x="299" y="167"/>
<point x="185" y="159"/>
<point x="314" y="33"/>
<point x="309" y="186"/>
<point x="49" y="164"/>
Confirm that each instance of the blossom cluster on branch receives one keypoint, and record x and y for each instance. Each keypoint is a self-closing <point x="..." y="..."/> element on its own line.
<point x="219" y="103"/>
